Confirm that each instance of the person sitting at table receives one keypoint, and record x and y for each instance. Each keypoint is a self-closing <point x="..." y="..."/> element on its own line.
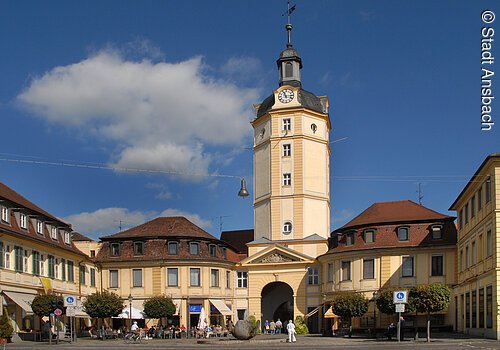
<point x="152" y="332"/>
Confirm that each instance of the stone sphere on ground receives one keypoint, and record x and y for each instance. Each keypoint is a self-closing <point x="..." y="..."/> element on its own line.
<point x="243" y="330"/>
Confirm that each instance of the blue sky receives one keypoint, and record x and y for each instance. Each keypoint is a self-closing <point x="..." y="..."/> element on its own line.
<point x="169" y="85"/>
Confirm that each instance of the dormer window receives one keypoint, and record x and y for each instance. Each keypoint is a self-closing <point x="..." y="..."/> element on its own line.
<point x="194" y="248"/>
<point x="5" y="214"/>
<point x="67" y="237"/>
<point x="224" y="252"/>
<point x="172" y="248"/>
<point x="369" y="236"/>
<point x="213" y="250"/>
<point x="138" y="248"/>
<point x="23" y="221"/>
<point x="39" y="227"/>
<point x="349" y="238"/>
<point x="53" y="232"/>
<point x="403" y="233"/>
<point x="437" y="231"/>
<point x="115" y="249"/>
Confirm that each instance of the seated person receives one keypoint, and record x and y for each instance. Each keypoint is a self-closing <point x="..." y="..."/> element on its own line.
<point x="391" y="331"/>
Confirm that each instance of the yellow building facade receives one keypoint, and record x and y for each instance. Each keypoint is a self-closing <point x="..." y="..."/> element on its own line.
<point x="476" y="295"/>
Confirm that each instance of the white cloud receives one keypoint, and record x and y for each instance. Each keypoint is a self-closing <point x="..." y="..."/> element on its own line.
<point x="160" y="115"/>
<point x="107" y="220"/>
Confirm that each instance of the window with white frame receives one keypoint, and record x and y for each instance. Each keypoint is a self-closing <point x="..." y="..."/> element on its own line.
<point x="349" y="238"/>
<point x="113" y="278"/>
<point x="437" y="231"/>
<point x="53" y="232"/>
<point x="407" y="266"/>
<point x="403" y="233"/>
<point x="23" y="221"/>
<point x="35" y="262"/>
<point x="369" y="236"/>
<point x="194" y="248"/>
<point x="39" y="227"/>
<point x="228" y="279"/>
<point x="437" y="265"/>
<point x="287" y="150"/>
<point x="214" y="277"/>
<point x="7" y="257"/>
<point x="194" y="277"/>
<point x="242" y="279"/>
<point x="287" y="179"/>
<point x="287" y="124"/>
<point x="42" y="265"/>
<point x="313" y="275"/>
<point x="330" y="272"/>
<point x="67" y="237"/>
<point x="137" y="278"/>
<point x="71" y="270"/>
<point x="26" y="260"/>
<point x="5" y="214"/>
<point x="368" y="268"/>
<point x="346" y="271"/>
<point x="173" y="277"/>
<point x="287" y="227"/>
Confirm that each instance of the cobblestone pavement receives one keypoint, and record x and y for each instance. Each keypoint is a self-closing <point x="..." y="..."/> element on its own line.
<point x="270" y="342"/>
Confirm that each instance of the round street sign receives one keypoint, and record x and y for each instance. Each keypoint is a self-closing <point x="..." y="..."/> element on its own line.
<point x="58" y="312"/>
<point x="400" y="297"/>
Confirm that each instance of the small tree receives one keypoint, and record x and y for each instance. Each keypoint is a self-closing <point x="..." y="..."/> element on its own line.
<point x="103" y="305"/>
<point x="430" y="298"/>
<point x="6" y="328"/>
<point x="386" y="305"/>
<point x="159" y="306"/>
<point x="300" y="325"/>
<point x="350" y="305"/>
<point x="42" y="304"/>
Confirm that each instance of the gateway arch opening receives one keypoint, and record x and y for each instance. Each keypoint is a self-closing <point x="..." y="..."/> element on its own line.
<point x="277" y="302"/>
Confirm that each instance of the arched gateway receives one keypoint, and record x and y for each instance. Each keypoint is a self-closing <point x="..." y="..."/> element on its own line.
<point x="277" y="302"/>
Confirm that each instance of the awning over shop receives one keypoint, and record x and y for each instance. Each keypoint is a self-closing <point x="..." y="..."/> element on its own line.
<point x="177" y="303"/>
<point x="136" y="313"/>
<point x="329" y="314"/>
<point x="219" y="305"/>
<point x="21" y="299"/>
<point x="312" y="312"/>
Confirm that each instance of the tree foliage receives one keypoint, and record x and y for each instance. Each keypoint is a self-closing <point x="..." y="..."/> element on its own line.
<point x="6" y="328"/>
<point x="102" y="305"/>
<point x="42" y="303"/>
<point x="300" y="325"/>
<point x="159" y="306"/>
<point x="350" y="305"/>
<point x="385" y="302"/>
<point x="431" y="297"/>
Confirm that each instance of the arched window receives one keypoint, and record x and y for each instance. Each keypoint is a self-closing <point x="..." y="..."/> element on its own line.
<point x="403" y="233"/>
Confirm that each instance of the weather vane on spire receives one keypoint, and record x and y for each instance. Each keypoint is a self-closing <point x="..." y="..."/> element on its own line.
<point x="288" y="25"/>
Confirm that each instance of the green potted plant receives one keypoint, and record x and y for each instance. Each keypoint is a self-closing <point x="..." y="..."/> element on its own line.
<point x="6" y="328"/>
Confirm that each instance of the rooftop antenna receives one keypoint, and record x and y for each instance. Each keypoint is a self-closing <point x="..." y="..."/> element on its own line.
<point x="288" y="25"/>
<point x="420" y="194"/>
<point x="221" y="221"/>
<point x="120" y="222"/>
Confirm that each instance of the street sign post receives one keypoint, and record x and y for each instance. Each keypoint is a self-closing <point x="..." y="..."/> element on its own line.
<point x="400" y="298"/>
<point x="400" y="307"/>
<point x="69" y="300"/>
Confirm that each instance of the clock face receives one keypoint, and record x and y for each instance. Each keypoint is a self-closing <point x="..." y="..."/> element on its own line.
<point x="285" y="96"/>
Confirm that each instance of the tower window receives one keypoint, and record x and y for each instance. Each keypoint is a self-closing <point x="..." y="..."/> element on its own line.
<point x="287" y="150"/>
<point x="287" y="179"/>
<point x="287" y="227"/>
<point x="288" y="70"/>
<point x="287" y="124"/>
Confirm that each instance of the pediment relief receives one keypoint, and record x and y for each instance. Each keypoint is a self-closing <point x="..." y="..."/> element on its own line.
<point x="275" y="257"/>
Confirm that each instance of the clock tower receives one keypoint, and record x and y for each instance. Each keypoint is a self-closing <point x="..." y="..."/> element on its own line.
<point x="291" y="164"/>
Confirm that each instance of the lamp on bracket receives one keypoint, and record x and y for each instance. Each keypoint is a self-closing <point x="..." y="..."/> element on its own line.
<point x="243" y="190"/>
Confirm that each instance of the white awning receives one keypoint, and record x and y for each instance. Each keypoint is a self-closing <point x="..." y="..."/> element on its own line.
<point x="177" y="303"/>
<point x="136" y="313"/>
<point x="21" y="299"/>
<point x="219" y="305"/>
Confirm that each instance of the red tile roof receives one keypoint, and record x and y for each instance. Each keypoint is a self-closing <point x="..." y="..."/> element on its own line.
<point x="394" y="212"/>
<point x="77" y="236"/>
<point x="24" y="205"/>
<point x="238" y="239"/>
<point x="175" y="226"/>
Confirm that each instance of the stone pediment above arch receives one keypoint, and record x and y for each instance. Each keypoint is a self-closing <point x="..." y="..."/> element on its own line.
<point x="277" y="254"/>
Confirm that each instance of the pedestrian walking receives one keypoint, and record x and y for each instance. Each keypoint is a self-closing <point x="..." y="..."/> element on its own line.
<point x="266" y="327"/>
<point x="272" y="327"/>
<point x="290" y="327"/>
<point x="279" y="326"/>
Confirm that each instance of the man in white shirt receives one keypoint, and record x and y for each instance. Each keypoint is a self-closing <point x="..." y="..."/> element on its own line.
<point x="134" y="327"/>
<point x="290" y="327"/>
